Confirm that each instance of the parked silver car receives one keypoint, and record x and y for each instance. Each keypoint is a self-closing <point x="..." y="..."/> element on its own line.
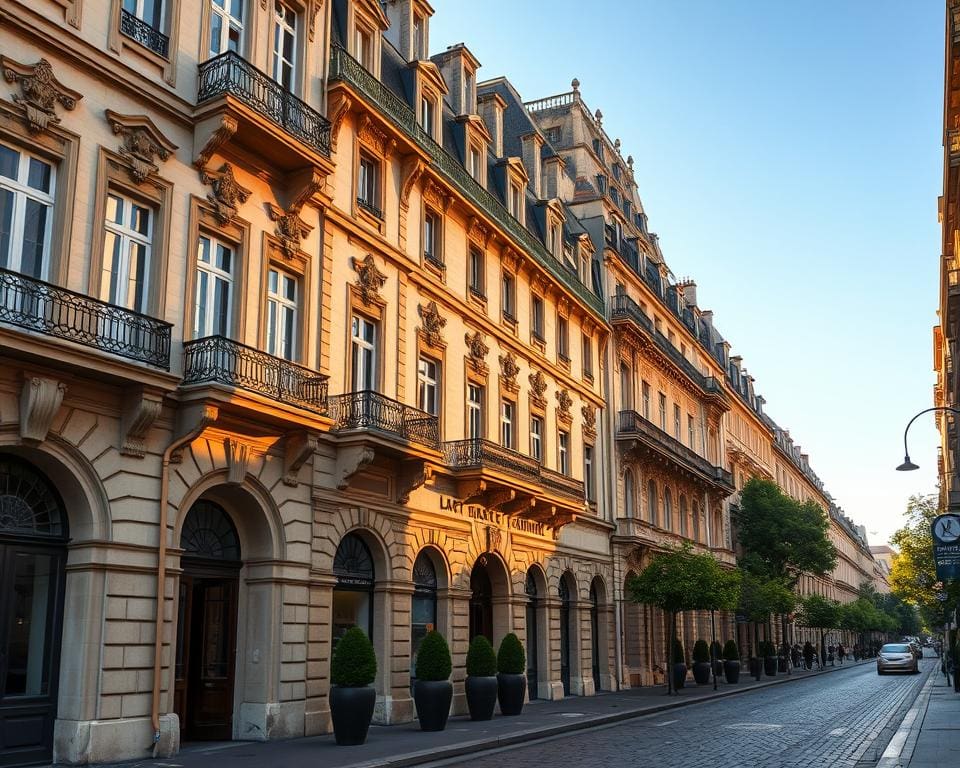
<point x="897" y="657"/>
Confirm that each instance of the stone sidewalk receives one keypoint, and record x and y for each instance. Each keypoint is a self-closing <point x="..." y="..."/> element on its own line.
<point x="930" y="734"/>
<point x="404" y="745"/>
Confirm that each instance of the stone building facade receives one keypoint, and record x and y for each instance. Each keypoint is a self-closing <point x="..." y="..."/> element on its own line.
<point x="302" y="328"/>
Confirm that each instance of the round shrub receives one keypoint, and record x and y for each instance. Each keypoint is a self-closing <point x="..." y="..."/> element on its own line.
<point x="510" y="658"/>
<point x="678" y="655"/>
<point x="433" y="658"/>
<point x="701" y="652"/>
<point x="354" y="661"/>
<point x="481" y="660"/>
<point x="730" y="651"/>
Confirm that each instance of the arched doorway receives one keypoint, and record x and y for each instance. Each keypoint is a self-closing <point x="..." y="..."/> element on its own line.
<point x="33" y="537"/>
<point x="353" y="594"/>
<point x="533" y="640"/>
<point x="595" y="635"/>
<point x="481" y="600"/>
<point x="564" y="592"/>
<point x="423" y="615"/>
<point x="205" y="663"/>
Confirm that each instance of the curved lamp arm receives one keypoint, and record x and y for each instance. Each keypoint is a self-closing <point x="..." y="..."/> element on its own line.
<point x="908" y="465"/>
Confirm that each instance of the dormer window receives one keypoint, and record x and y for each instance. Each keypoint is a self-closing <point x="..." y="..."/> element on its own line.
<point x="554" y="239"/>
<point x="427" y="115"/>
<point x="475" y="163"/>
<point x="363" y="47"/>
<point x="516" y="201"/>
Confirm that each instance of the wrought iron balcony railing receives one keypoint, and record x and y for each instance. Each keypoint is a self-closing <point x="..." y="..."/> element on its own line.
<point x="562" y="484"/>
<point x="229" y="74"/>
<point x="53" y="311"/>
<point x="632" y="423"/>
<point x="148" y="36"/>
<point x="218" y="359"/>
<point x="367" y="409"/>
<point x="344" y="67"/>
<point x="477" y="453"/>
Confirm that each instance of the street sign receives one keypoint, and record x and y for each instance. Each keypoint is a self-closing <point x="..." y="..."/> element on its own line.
<point x="946" y="546"/>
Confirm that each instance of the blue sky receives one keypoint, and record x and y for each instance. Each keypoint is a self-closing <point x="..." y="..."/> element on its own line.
<point x="789" y="156"/>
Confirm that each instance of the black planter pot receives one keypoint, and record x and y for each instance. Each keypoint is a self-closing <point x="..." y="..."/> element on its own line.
<point x="731" y="671"/>
<point x="481" y="697"/>
<point x="351" y="710"/>
<point x="770" y="666"/>
<point x="679" y="676"/>
<point x="701" y="672"/>
<point x="433" y="698"/>
<point x="510" y="692"/>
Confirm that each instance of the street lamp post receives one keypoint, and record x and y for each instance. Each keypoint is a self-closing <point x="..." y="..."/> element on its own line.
<point x="909" y="466"/>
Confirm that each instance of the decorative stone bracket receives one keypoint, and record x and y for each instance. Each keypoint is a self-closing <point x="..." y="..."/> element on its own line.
<point x="350" y="460"/>
<point x="412" y="475"/>
<point x="40" y="399"/>
<point x="140" y="409"/>
<point x="297" y="448"/>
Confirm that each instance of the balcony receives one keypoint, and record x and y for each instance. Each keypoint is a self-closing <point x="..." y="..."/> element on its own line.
<point x="633" y="428"/>
<point x="141" y="32"/>
<point x="218" y="360"/>
<point x="231" y="87"/>
<point x="42" y="308"/>
<point x="369" y="411"/>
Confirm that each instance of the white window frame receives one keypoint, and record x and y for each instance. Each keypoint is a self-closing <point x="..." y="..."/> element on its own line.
<point x="662" y="404"/>
<point x="368" y="181"/>
<point x="228" y="20"/>
<point x="563" y="338"/>
<point x="536" y="438"/>
<point x="589" y="489"/>
<point x="128" y="238"/>
<point x="537" y="316"/>
<point x="208" y="276"/>
<point x="508" y="294"/>
<point x="474" y="163"/>
<point x="280" y="307"/>
<point x="477" y="258"/>
<point x="284" y="24"/>
<point x="22" y="193"/>
<point x="563" y="452"/>
<point x="516" y="201"/>
<point x="427" y="114"/>
<point x="507" y="420"/>
<point x="432" y="239"/>
<point x="474" y="411"/>
<point x="138" y="11"/>
<point x="363" y="354"/>
<point x="428" y="385"/>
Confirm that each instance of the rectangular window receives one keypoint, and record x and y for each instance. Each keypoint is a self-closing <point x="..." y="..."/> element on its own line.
<point x="508" y="297"/>
<point x="226" y="26"/>
<point x="690" y="432"/>
<point x="646" y="401"/>
<point x="282" y="310"/>
<point x="587" y="352"/>
<point x="426" y="115"/>
<point x="563" y="452"/>
<point x="516" y="201"/>
<point x="428" y="385"/>
<point x="214" y="288"/>
<point x="476" y="272"/>
<point x="419" y="37"/>
<point x="536" y="316"/>
<point x="663" y="411"/>
<point x="431" y="239"/>
<point x="475" y="411"/>
<point x="536" y="438"/>
<point x="284" y="46"/>
<point x="127" y="246"/>
<point x="474" y="167"/>
<point x="507" y="409"/>
<point x="368" y="192"/>
<point x="26" y="212"/>
<point x="588" y="482"/>
<point x="563" y="339"/>
<point x="363" y="354"/>
<point x="676" y="421"/>
<point x="148" y="11"/>
<point x="363" y="47"/>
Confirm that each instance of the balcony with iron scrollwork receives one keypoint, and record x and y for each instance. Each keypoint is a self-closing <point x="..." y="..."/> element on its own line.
<point x="369" y="411"/>
<point x="142" y="32"/>
<point x="501" y="478"/>
<point x="34" y="313"/>
<point x="271" y="122"/>
<point x="252" y="382"/>
<point x="637" y="434"/>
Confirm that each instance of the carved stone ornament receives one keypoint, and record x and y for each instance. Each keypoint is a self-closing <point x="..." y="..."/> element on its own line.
<point x="589" y="414"/>
<point x="290" y="229"/>
<point x="494" y="538"/>
<point x="509" y="370"/>
<point x="40" y="92"/>
<point x="478" y="232"/>
<point x="227" y="194"/>
<point x="510" y="260"/>
<point x="564" y="403"/>
<point x="433" y="323"/>
<point x="143" y="144"/>
<point x="563" y="307"/>
<point x="40" y="399"/>
<point x="436" y="195"/>
<point x="140" y="410"/>
<point x="374" y="136"/>
<point x="298" y="446"/>
<point x="477" y="351"/>
<point x="412" y="168"/>
<point x="369" y="279"/>
<point x="538" y="388"/>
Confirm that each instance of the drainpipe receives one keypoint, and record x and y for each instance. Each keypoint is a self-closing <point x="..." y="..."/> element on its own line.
<point x="208" y="414"/>
<point x="608" y="421"/>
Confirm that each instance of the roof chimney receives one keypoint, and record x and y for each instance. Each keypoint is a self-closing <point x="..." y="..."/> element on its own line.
<point x="530" y="155"/>
<point x="490" y="106"/>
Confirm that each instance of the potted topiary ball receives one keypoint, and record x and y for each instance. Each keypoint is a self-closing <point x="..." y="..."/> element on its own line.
<point x="678" y="665"/>
<point x="731" y="661"/>
<point x="481" y="685"/>
<point x="433" y="690"/>
<point x="716" y="658"/>
<point x="769" y="651"/>
<point x="511" y="675"/>
<point x="352" y="697"/>
<point x="701" y="662"/>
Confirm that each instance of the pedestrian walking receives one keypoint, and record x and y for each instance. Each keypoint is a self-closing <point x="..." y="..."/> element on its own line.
<point x="856" y="652"/>
<point x="841" y="652"/>
<point x="808" y="655"/>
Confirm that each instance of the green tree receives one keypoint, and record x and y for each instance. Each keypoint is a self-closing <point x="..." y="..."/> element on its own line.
<point x="761" y="597"/>
<point x="817" y="612"/>
<point x="680" y="580"/>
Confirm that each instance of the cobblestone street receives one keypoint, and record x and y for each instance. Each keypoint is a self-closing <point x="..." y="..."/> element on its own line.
<point x="833" y="720"/>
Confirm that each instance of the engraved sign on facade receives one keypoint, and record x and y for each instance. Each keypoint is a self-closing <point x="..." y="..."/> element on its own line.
<point x="493" y="517"/>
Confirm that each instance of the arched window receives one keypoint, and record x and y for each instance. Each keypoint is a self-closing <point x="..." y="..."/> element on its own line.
<point x="628" y="494"/>
<point x="667" y="510"/>
<point x="208" y="532"/>
<point x="652" y="501"/>
<point x="683" y="515"/>
<point x="29" y="506"/>
<point x="353" y="594"/>
<point x="423" y="616"/>
<point x="696" y="520"/>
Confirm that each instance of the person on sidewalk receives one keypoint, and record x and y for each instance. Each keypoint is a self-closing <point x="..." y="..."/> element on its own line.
<point x="841" y="652"/>
<point x="808" y="655"/>
<point x="856" y="652"/>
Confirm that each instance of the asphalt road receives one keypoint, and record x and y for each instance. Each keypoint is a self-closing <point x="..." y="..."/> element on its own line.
<point x="827" y="721"/>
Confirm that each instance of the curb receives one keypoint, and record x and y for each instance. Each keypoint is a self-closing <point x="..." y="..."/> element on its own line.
<point x="904" y="740"/>
<point x="537" y="734"/>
